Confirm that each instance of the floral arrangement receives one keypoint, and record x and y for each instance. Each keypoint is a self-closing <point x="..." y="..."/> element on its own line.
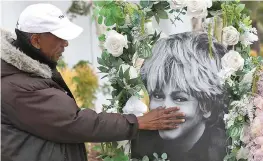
<point x="128" y="41"/>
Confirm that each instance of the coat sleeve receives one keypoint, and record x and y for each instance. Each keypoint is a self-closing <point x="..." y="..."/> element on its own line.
<point x="52" y="115"/>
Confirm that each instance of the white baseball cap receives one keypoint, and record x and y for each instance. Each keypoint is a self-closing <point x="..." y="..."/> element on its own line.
<point x="41" y="18"/>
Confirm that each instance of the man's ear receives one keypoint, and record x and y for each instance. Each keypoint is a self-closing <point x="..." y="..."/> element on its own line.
<point x="207" y="114"/>
<point x="35" y="40"/>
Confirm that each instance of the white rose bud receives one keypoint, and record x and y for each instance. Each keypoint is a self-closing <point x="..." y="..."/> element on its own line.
<point x="135" y="106"/>
<point x="149" y="28"/>
<point x="230" y="36"/>
<point x="198" y="8"/>
<point x="232" y="61"/>
<point x="132" y="71"/>
<point x="127" y="19"/>
<point x="115" y="43"/>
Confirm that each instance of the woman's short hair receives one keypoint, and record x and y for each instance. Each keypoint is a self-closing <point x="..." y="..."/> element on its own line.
<point x="184" y="62"/>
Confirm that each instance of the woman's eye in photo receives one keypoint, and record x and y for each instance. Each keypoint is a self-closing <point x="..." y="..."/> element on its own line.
<point x="158" y="95"/>
<point x="179" y="96"/>
<point x="180" y="99"/>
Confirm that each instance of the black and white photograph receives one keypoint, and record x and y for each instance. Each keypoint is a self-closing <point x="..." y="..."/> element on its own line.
<point x="183" y="73"/>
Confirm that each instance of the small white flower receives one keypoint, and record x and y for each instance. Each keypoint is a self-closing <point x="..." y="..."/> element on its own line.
<point x="125" y="144"/>
<point x="149" y="29"/>
<point x="232" y="61"/>
<point x="198" y="8"/>
<point x="132" y="71"/>
<point x="249" y="37"/>
<point x="230" y="35"/>
<point x="242" y="153"/>
<point x="177" y="4"/>
<point x="115" y="43"/>
<point x="112" y="110"/>
<point x="244" y="136"/>
<point x="248" y="78"/>
<point x="135" y="106"/>
<point x="127" y="19"/>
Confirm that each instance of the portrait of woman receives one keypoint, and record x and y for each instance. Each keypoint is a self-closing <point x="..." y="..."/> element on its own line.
<point x="182" y="72"/>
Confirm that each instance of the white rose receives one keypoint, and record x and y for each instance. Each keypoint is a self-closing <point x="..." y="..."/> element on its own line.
<point x="232" y="61"/>
<point x="198" y="8"/>
<point x="230" y="35"/>
<point x="209" y="3"/>
<point x="132" y="72"/>
<point x="135" y="106"/>
<point x="177" y="4"/>
<point x="149" y="28"/>
<point x="224" y="74"/>
<point x="115" y="43"/>
<point x="248" y="38"/>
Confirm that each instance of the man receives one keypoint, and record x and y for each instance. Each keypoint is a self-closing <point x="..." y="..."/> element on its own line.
<point x="39" y="117"/>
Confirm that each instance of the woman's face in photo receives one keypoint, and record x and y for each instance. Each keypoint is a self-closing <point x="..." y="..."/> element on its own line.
<point x="170" y="97"/>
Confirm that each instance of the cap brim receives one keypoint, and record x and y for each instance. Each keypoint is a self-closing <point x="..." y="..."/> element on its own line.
<point x="69" y="32"/>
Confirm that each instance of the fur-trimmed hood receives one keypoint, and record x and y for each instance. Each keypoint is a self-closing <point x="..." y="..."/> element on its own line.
<point x="11" y="55"/>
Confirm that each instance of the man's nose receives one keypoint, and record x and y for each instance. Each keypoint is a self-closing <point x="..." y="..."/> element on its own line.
<point x="65" y="43"/>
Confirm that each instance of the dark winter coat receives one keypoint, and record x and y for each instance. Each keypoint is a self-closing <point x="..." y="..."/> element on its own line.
<point x="40" y="121"/>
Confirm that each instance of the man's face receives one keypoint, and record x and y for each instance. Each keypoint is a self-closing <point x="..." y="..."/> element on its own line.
<point x="51" y="46"/>
<point x="170" y="97"/>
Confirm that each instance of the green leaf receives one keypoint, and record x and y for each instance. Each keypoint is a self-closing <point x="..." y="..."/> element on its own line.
<point x="104" y="76"/>
<point x="99" y="3"/>
<point x="164" y="156"/>
<point x="133" y="81"/>
<point x="121" y="73"/>
<point x="240" y="7"/>
<point x="235" y="131"/>
<point x="102" y="37"/>
<point x="101" y="62"/>
<point x="120" y="83"/>
<point x="127" y="74"/>
<point x="105" y="55"/>
<point x="144" y="50"/>
<point x="157" y="19"/>
<point x="109" y="21"/>
<point x="100" y="19"/>
<point x="76" y="79"/>
<point x="162" y="14"/>
<point x="102" y="12"/>
<point x="146" y="3"/>
<point x="145" y="158"/>
<point x="103" y="69"/>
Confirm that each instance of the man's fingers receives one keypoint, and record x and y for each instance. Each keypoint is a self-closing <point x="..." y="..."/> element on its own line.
<point x="172" y="109"/>
<point x="174" y="115"/>
<point x="177" y="121"/>
<point x="169" y="127"/>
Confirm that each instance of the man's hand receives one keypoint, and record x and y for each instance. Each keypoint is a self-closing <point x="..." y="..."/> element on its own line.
<point x="161" y="119"/>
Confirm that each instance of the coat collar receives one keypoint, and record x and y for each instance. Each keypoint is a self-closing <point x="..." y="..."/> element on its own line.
<point x="18" y="59"/>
